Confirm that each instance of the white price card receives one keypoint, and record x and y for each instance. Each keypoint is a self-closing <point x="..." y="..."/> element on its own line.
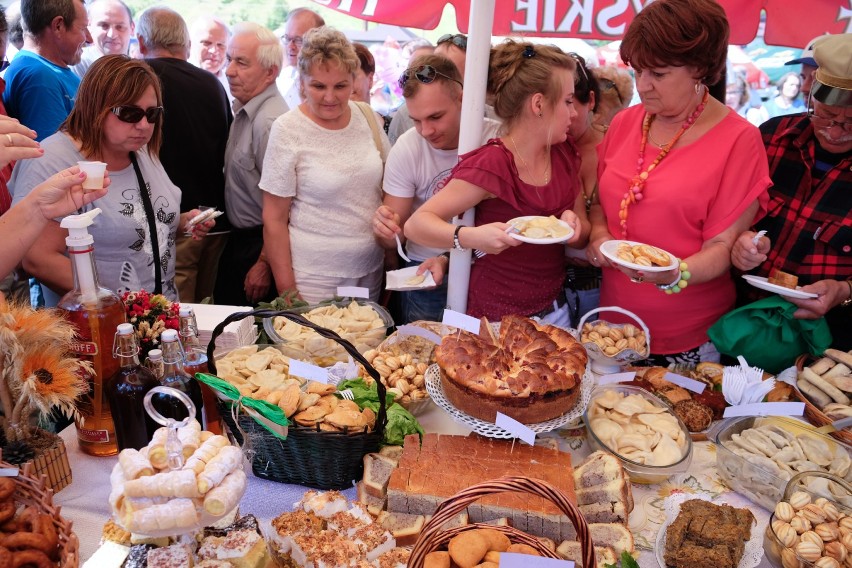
<point x="766" y="409"/>
<point x="9" y="472"/>
<point x="515" y="560"/>
<point x="685" y="382"/>
<point x="353" y="292"/>
<point x="461" y="321"/>
<point x="617" y="378"/>
<point x="515" y="428"/>
<point x="409" y="330"/>
<point x="308" y="371"/>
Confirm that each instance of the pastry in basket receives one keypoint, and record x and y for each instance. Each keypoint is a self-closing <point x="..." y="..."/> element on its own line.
<point x="705" y="534"/>
<point x="531" y="372"/>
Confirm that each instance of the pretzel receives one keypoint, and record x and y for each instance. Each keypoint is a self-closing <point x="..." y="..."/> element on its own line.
<point x="5" y="557"/>
<point x="7" y="511"/>
<point x="25" y="540"/>
<point x="31" y="558"/>
<point x="7" y="488"/>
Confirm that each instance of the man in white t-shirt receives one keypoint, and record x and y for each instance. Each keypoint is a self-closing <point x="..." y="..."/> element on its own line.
<point x="419" y="166"/>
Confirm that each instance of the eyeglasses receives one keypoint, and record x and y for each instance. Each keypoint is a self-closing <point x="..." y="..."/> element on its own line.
<point x="608" y="85"/>
<point x="134" y="114"/>
<point x="423" y="73"/>
<point x="581" y="65"/>
<point x="830" y="122"/>
<point x="297" y="40"/>
<point x="458" y="40"/>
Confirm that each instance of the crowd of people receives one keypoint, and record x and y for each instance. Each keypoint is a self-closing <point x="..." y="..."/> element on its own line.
<point x="319" y="189"/>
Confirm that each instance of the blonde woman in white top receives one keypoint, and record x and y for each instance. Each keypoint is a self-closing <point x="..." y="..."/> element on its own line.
<point x="322" y="178"/>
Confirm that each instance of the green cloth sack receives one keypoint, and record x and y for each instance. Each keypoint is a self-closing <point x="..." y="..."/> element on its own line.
<point x="768" y="336"/>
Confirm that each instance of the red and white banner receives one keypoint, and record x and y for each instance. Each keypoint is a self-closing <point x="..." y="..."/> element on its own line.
<point x="788" y="22"/>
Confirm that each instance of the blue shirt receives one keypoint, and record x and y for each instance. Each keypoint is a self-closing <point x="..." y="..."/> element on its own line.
<point x="39" y="93"/>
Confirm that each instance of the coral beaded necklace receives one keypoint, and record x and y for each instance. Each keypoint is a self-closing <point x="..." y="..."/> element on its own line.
<point x="637" y="184"/>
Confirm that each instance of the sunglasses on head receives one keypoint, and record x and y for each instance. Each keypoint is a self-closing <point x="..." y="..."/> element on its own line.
<point x="608" y="85"/>
<point x="581" y="65"/>
<point x="458" y="40"/>
<point x="423" y="73"/>
<point x="133" y="114"/>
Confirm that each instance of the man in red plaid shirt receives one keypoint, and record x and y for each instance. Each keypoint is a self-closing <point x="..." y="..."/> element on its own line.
<point x="809" y="221"/>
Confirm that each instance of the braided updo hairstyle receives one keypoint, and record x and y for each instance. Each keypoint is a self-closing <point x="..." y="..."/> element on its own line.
<point x="519" y="70"/>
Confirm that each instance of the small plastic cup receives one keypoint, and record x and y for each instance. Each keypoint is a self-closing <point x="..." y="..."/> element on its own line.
<point x="94" y="174"/>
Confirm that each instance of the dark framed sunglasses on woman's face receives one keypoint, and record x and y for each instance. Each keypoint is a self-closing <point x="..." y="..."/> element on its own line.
<point x="133" y="114"/>
<point x="423" y="73"/>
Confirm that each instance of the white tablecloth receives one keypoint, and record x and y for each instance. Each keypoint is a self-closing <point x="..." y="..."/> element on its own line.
<point x="85" y="501"/>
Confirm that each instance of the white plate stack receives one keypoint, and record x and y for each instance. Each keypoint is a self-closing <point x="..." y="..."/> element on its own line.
<point x="236" y="334"/>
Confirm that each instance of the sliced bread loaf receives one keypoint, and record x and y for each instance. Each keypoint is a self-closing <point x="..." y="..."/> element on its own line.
<point x="377" y="473"/>
<point x="404" y="528"/>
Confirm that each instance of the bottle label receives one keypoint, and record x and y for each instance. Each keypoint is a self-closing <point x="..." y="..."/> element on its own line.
<point x="92" y="436"/>
<point x="85" y="348"/>
<point x="85" y="402"/>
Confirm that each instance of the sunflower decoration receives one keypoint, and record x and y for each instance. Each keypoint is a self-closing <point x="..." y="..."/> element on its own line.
<point x="38" y="371"/>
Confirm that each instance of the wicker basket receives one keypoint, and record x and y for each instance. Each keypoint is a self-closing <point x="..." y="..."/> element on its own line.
<point x="32" y="490"/>
<point x="310" y="457"/>
<point x="432" y="538"/>
<point x="814" y="415"/>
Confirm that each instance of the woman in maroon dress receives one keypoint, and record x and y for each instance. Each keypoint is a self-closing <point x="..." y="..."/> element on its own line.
<point x="532" y="169"/>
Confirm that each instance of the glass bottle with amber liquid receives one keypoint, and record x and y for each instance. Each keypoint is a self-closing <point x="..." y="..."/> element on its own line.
<point x="196" y="362"/>
<point x="176" y="377"/>
<point x="95" y="312"/>
<point x="126" y="391"/>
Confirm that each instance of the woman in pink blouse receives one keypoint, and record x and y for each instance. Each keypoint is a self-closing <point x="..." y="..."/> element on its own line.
<point x="680" y="171"/>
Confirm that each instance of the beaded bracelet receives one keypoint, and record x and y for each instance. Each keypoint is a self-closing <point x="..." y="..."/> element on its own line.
<point x="680" y="282"/>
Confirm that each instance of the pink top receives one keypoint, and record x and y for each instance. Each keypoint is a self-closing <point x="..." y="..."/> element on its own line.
<point x="521" y="280"/>
<point x="695" y="193"/>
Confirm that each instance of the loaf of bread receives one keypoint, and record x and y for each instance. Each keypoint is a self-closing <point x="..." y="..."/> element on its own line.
<point x="405" y="528"/>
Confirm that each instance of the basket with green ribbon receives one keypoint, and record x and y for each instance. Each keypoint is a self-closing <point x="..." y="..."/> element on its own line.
<point x="324" y="441"/>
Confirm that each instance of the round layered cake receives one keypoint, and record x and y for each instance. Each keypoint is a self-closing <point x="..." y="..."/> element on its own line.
<point x="530" y="372"/>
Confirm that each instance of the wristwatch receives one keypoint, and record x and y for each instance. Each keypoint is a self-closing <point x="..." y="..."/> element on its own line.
<point x="456" y="243"/>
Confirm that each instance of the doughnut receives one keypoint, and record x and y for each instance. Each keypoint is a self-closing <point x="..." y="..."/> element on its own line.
<point x="7" y="511"/>
<point x="48" y="530"/>
<point x="31" y="558"/>
<point x="23" y="540"/>
<point x="7" y="487"/>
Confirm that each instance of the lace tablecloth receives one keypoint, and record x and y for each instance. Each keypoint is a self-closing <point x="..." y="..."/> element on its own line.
<point x="85" y="501"/>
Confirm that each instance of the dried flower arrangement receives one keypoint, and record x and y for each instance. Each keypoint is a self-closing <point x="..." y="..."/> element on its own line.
<point x="151" y="315"/>
<point x="38" y="373"/>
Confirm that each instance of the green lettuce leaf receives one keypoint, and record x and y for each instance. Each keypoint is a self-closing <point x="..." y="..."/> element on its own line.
<point x="400" y="422"/>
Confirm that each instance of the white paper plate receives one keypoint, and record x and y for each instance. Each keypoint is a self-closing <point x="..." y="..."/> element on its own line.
<point x="396" y="280"/>
<point x="764" y="284"/>
<point x="609" y="248"/>
<point x="547" y="241"/>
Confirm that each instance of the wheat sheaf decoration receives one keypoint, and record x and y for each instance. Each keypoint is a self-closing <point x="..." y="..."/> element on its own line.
<point x="38" y="371"/>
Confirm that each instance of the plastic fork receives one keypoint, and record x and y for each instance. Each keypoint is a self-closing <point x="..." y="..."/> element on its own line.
<point x="400" y="250"/>
<point x="347" y="394"/>
<point x="756" y="238"/>
<point x="510" y="229"/>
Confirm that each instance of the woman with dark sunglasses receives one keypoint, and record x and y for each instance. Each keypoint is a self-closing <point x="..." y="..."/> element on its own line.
<point x="117" y="119"/>
<point x="530" y="170"/>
